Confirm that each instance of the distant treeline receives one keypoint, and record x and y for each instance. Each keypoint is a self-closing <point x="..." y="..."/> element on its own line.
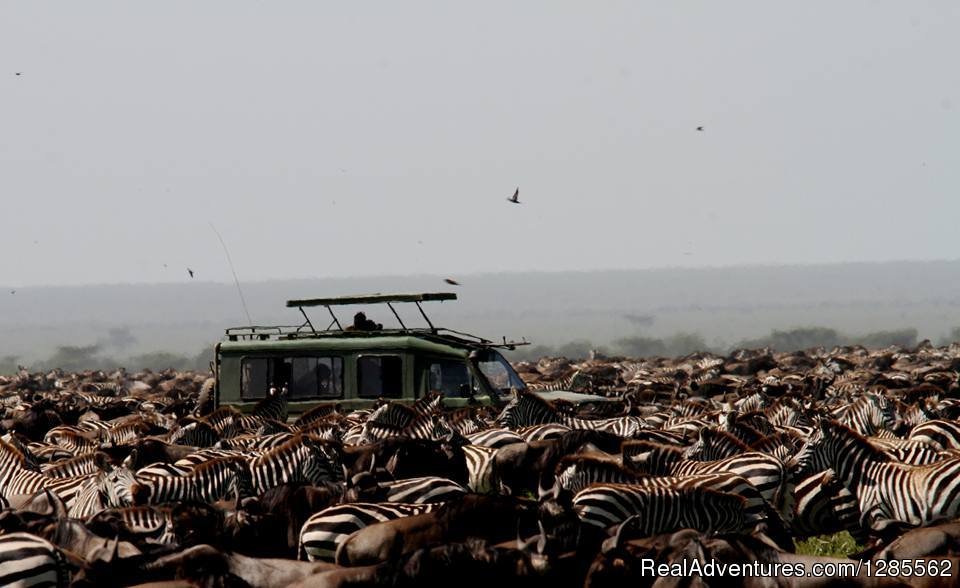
<point x="686" y="343"/>
<point x="94" y="357"/>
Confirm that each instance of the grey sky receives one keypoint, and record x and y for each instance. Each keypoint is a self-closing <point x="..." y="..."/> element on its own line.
<point x="327" y="139"/>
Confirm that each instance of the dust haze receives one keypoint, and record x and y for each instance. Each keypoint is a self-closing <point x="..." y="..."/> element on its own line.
<point x="651" y="312"/>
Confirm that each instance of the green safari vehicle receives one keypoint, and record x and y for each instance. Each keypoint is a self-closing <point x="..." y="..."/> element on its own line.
<point x="356" y="365"/>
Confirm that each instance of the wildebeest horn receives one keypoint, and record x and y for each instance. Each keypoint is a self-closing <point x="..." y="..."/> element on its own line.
<point x="615" y="542"/>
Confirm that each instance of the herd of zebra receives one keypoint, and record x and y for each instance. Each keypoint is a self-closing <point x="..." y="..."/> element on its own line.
<point x="128" y="479"/>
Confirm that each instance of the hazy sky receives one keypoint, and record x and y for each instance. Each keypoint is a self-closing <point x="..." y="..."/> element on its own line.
<point x="349" y="138"/>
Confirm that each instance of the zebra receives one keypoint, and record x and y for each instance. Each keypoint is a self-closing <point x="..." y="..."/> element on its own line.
<point x="409" y="490"/>
<point x="911" y="452"/>
<point x="322" y="533"/>
<point x="101" y="491"/>
<point x="494" y="438"/>
<point x="77" y="466"/>
<point x="151" y="522"/>
<point x="208" y="482"/>
<point x="887" y="492"/>
<point x="577" y="381"/>
<point x="195" y="434"/>
<point x="528" y="409"/>
<point x="27" y="560"/>
<point x="823" y="506"/>
<point x="273" y="407"/>
<point x="198" y="457"/>
<point x="16" y="478"/>
<point x="576" y="473"/>
<point x="868" y="415"/>
<point x="302" y="459"/>
<point x="661" y="509"/>
<point x="781" y="445"/>
<point x="941" y="433"/>
<point x="464" y="421"/>
<point x="30" y="461"/>
<point x="482" y="477"/>
<point x="256" y="442"/>
<point x="420" y="426"/>
<point x="715" y="444"/>
<point x="77" y="443"/>
<point x="767" y="473"/>
<point x="542" y="432"/>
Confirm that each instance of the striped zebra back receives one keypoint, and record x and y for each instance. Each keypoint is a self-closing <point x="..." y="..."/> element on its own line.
<point x="326" y="530"/>
<point x="941" y="433"/>
<point x="301" y="459"/>
<point x="195" y="434"/>
<point x="149" y="522"/>
<point x="482" y="477"/>
<point x="654" y="511"/>
<point x="421" y="490"/>
<point x="210" y="481"/>
<point x="494" y="438"/>
<point x="27" y="560"/>
<point x="714" y="444"/>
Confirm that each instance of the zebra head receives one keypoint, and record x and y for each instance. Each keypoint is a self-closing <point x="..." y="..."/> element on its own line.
<point x="884" y="414"/>
<point x="323" y="461"/>
<point x="813" y="455"/>
<point x="508" y="416"/>
<point x="698" y="448"/>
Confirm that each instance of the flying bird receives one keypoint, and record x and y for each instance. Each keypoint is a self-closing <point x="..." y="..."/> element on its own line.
<point x="13" y="291"/>
<point x="516" y="197"/>
<point x="17" y="73"/>
<point x="190" y="271"/>
<point x="700" y="129"/>
<point x="452" y="282"/>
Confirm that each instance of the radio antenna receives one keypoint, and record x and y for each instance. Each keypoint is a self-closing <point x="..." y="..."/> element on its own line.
<point x="236" y="280"/>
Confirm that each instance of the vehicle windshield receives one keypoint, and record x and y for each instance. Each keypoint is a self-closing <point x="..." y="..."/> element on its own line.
<point x="498" y="371"/>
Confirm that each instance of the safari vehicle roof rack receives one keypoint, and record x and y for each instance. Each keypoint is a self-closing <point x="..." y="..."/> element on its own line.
<point x="388" y="299"/>
<point x="307" y="330"/>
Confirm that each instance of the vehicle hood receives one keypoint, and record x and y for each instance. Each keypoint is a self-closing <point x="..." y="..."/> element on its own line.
<point x="570" y="396"/>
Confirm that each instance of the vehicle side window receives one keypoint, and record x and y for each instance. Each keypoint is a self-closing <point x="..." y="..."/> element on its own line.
<point x="316" y="377"/>
<point x="303" y="377"/>
<point x="254" y="378"/>
<point x="380" y="375"/>
<point x="330" y="377"/>
<point x="449" y="376"/>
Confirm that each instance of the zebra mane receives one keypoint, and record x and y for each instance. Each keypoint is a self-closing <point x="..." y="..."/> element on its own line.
<point x="595" y="461"/>
<point x="218" y="418"/>
<point x="771" y="441"/>
<point x="835" y="428"/>
<point x="531" y="398"/>
<point x="286" y="447"/>
<point x="394" y="414"/>
<point x="718" y="436"/>
<point x="319" y="412"/>
<point x="217" y="462"/>
<point x="9" y="452"/>
<point x="633" y="448"/>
